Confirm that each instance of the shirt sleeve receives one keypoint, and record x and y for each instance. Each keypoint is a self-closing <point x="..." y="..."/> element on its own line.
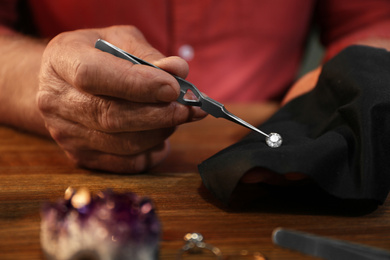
<point x="347" y="22"/>
<point x="8" y="16"/>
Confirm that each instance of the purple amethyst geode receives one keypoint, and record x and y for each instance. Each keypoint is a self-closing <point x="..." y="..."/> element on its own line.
<point x="108" y="226"/>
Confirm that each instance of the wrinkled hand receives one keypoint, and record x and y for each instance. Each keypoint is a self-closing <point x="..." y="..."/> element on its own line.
<point x="105" y="112"/>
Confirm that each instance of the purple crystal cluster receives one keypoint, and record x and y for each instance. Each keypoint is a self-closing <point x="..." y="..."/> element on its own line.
<point x="108" y="225"/>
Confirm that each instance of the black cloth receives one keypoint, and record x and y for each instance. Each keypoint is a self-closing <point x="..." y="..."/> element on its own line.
<point x="337" y="134"/>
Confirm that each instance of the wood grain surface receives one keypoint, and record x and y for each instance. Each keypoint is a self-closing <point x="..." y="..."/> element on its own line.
<point x="35" y="169"/>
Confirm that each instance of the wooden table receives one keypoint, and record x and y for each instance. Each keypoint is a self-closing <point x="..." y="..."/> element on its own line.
<point x="34" y="169"/>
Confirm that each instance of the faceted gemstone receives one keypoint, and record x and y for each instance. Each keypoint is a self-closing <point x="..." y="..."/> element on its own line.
<point x="274" y="140"/>
<point x="193" y="237"/>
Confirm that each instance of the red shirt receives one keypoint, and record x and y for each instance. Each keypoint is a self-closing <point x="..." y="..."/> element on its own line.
<point x="246" y="50"/>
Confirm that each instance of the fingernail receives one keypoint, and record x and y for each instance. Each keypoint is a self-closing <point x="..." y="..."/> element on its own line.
<point x="167" y="93"/>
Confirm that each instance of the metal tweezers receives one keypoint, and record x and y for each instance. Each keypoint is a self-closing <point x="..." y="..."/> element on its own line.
<point x="326" y="248"/>
<point x="207" y="104"/>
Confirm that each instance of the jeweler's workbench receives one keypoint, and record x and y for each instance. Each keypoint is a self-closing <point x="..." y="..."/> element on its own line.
<point x="35" y="169"/>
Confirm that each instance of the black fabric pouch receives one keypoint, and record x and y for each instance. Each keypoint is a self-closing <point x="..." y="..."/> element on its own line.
<point x="337" y="134"/>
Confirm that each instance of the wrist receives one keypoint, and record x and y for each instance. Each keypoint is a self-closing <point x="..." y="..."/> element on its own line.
<point x="20" y="59"/>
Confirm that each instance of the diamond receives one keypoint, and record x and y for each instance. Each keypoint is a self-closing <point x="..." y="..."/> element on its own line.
<point x="193" y="237"/>
<point x="274" y="140"/>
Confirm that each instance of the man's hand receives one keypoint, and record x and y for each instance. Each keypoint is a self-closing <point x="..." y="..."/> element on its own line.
<point x="105" y="112"/>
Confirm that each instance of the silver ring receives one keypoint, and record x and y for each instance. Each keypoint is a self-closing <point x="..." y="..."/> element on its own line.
<point x="194" y="244"/>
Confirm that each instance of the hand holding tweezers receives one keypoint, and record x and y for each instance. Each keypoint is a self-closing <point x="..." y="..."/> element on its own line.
<point x="207" y="104"/>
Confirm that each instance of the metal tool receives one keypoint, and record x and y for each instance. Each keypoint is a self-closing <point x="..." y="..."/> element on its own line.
<point x="195" y="244"/>
<point x="207" y="104"/>
<point x="326" y="248"/>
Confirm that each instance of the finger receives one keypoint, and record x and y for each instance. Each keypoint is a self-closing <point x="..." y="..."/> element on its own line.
<point x="124" y="37"/>
<point x="114" y="115"/>
<point x="125" y="40"/>
<point x="174" y="65"/>
<point x="73" y="58"/>
<point x="72" y="137"/>
<point x="105" y="74"/>
<point x="120" y="163"/>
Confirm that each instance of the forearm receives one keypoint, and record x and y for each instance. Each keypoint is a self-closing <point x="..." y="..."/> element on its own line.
<point x="363" y="37"/>
<point x="20" y="60"/>
<point x="348" y="22"/>
<point x="309" y="81"/>
<point x="345" y="23"/>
